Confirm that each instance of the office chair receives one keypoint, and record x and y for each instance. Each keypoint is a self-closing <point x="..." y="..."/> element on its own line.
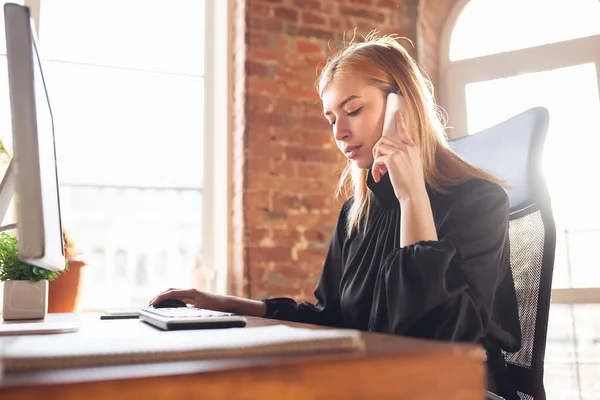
<point x="512" y="150"/>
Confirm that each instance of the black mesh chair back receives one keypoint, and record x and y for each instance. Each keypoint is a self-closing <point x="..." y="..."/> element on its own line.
<point x="512" y="150"/>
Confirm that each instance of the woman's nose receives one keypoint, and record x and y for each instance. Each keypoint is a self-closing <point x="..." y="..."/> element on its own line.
<point x="340" y="130"/>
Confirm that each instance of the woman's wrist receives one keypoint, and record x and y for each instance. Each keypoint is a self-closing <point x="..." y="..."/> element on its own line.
<point x="417" y="222"/>
<point x="417" y="196"/>
<point x="242" y="306"/>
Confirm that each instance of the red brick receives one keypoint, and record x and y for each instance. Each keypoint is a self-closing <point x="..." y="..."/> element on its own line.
<point x="260" y="183"/>
<point x="263" y="10"/>
<point x="308" y="4"/>
<point x="314" y="32"/>
<point x="299" y="92"/>
<point x="258" y="272"/>
<point x="295" y="153"/>
<point x="265" y="219"/>
<point x="312" y="170"/>
<point x="286" y="14"/>
<point x="261" y="85"/>
<point x="258" y="234"/>
<point x="260" y="143"/>
<point x="259" y="165"/>
<point x="281" y="41"/>
<point x="321" y="139"/>
<point x="270" y="289"/>
<point x="313" y="63"/>
<point x="336" y="23"/>
<point x="312" y="255"/>
<point x="307" y="76"/>
<point x="274" y="219"/>
<point x="257" y="69"/>
<point x="273" y="151"/>
<point x="257" y="38"/>
<point x="351" y="11"/>
<point x="284" y="169"/>
<point x="317" y="236"/>
<point x="285" y="202"/>
<point x="260" y="23"/>
<point x="313" y="108"/>
<point x="264" y="54"/>
<point x="260" y="102"/>
<point x="313" y="18"/>
<point x="256" y="117"/>
<point x="303" y="185"/>
<point x="318" y="123"/>
<point x="286" y="75"/>
<point x="317" y="202"/>
<point x="267" y="254"/>
<point x="287" y="237"/>
<point x="290" y="107"/>
<point x="309" y="219"/>
<point x="307" y="47"/>
<point x="286" y="136"/>
<point x="292" y="271"/>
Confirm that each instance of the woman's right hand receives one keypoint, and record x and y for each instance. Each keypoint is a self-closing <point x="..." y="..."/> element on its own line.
<point x="194" y="297"/>
<point x="215" y="302"/>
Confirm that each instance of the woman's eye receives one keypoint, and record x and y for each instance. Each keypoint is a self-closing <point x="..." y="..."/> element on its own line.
<point x="355" y="112"/>
<point x="332" y="124"/>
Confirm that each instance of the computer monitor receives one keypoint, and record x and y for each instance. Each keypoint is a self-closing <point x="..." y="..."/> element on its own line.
<point x="32" y="175"/>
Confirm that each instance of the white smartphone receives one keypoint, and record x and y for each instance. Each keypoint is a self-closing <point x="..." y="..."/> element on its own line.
<point x="394" y="103"/>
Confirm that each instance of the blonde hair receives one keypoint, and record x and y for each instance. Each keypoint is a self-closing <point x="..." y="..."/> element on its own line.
<point x="384" y="63"/>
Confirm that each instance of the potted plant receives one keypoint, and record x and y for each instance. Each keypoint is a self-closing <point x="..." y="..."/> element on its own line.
<point x="62" y="294"/>
<point x="25" y="285"/>
<point x="65" y="290"/>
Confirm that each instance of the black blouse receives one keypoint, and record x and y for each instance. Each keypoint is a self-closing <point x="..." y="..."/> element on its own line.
<point x="459" y="288"/>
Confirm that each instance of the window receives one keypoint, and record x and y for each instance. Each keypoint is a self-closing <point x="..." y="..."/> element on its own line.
<point x="522" y="24"/>
<point x="126" y="82"/>
<point x="128" y="104"/>
<point x="549" y="57"/>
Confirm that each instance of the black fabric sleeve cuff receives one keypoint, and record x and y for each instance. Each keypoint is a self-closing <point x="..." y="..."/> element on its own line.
<point x="281" y="308"/>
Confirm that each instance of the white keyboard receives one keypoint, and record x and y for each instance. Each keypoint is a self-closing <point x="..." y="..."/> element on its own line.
<point x="190" y="318"/>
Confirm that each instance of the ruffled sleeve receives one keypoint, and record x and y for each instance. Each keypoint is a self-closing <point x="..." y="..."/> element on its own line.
<point x="445" y="289"/>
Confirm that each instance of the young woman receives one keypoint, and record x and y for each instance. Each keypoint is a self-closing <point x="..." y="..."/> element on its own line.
<point x="421" y="248"/>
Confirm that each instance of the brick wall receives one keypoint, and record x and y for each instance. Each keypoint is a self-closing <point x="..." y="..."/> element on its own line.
<point x="286" y="162"/>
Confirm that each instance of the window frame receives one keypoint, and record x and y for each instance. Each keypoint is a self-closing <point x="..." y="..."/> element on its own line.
<point x="218" y="160"/>
<point x="455" y="75"/>
<point x="217" y="184"/>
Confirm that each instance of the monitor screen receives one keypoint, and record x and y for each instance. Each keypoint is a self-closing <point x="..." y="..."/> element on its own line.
<point x="39" y="225"/>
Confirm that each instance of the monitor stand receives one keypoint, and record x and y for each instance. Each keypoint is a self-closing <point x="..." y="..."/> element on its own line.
<point x="53" y="323"/>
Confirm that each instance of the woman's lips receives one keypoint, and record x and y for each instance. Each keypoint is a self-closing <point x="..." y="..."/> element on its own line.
<point x="352" y="151"/>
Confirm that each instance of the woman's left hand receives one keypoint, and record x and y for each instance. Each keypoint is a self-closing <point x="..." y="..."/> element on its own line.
<point x="401" y="158"/>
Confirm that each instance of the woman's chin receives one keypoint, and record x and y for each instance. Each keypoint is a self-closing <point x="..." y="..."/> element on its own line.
<point x="363" y="163"/>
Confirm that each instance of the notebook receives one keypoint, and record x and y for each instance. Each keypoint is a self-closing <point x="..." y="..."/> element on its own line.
<point x="40" y="352"/>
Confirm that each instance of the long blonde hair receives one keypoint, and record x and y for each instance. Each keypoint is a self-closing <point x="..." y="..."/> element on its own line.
<point x="387" y="65"/>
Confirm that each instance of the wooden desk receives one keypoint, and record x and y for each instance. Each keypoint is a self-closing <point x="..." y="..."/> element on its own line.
<point x="392" y="367"/>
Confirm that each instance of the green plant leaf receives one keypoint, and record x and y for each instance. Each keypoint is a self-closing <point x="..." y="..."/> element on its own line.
<point x="11" y="268"/>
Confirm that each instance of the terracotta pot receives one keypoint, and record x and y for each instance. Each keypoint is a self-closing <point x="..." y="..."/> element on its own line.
<point x="63" y="292"/>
